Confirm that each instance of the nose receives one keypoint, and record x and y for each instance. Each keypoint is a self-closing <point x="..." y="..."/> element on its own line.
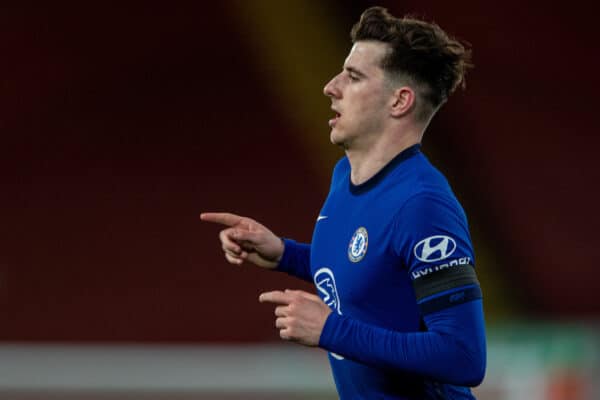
<point x="332" y="89"/>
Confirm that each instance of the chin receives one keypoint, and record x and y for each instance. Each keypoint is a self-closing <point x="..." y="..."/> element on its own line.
<point x="336" y="138"/>
<point x="339" y="140"/>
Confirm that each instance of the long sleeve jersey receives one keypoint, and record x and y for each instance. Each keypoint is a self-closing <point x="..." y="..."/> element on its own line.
<point x="393" y="259"/>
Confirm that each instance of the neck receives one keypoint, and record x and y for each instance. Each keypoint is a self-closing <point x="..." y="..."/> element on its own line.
<point x="365" y="163"/>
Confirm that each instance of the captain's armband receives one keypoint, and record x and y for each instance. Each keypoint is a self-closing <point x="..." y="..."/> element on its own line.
<point x="438" y="287"/>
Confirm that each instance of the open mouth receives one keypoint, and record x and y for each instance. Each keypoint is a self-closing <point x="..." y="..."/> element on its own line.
<point x="335" y="119"/>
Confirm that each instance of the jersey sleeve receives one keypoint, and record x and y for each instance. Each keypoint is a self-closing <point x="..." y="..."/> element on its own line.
<point x="296" y="260"/>
<point x="296" y="256"/>
<point x="452" y="350"/>
<point x="430" y="238"/>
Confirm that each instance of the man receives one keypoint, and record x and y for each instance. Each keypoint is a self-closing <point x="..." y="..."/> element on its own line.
<point x="399" y="306"/>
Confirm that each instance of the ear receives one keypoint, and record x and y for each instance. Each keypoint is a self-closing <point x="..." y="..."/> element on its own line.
<point x="403" y="100"/>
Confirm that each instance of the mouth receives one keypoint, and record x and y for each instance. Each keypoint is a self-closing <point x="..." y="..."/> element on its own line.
<point x="333" y="121"/>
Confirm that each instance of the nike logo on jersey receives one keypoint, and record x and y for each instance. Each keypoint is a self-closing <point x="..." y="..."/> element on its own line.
<point x="320" y="217"/>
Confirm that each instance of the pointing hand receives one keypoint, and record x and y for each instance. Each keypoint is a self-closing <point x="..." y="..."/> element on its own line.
<point x="300" y="315"/>
<point x="246" y="239"/>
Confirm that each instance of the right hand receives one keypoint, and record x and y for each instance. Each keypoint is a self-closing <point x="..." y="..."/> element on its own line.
<point x="247" y="240"/>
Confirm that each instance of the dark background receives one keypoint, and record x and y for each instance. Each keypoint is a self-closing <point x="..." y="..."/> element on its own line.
<point x="119" y="124"/>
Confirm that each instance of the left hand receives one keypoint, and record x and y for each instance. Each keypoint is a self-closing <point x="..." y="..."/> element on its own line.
<point x="300" y="315"/>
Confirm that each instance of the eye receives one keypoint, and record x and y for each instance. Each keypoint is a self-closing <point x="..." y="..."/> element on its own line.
<point x="353" y="78"/>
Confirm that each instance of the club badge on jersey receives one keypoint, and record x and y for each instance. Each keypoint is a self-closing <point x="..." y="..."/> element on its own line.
<point x="357" y="248"/>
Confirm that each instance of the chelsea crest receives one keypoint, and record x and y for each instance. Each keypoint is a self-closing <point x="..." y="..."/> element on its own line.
<point x="357" y="248"/>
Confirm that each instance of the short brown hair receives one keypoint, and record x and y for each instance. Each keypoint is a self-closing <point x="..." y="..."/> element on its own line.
<point x="420" y="51"/>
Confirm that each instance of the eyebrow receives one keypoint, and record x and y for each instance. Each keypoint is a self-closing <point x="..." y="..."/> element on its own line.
<point x="355" y="71"/>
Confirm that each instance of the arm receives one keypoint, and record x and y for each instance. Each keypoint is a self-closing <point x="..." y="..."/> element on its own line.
<point x="296" y="260"/>
<point x="451" y="351"/>
<point x="296" y="256"/>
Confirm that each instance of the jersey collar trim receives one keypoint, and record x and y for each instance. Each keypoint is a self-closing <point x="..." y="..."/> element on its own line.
<point x="373" y="181"/>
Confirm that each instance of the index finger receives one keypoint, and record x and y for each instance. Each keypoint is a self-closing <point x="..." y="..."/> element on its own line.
<point x="276" y="296"/>
<point x="221" y="218"/>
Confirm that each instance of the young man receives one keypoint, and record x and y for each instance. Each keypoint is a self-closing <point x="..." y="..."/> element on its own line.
<point x="399" y="306"/>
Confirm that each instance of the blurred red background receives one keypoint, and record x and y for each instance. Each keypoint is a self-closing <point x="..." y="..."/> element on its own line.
<point x="119" y="125"/>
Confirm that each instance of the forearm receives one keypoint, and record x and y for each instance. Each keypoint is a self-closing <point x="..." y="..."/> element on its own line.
<point x="451" y="351"/>
<point x="296" y="260"/>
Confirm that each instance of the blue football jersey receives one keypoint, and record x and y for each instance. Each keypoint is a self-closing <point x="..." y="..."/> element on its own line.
<point x="393" y="259"/>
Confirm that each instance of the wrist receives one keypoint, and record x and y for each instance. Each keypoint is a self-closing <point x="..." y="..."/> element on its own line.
<point x="281" y="251"/>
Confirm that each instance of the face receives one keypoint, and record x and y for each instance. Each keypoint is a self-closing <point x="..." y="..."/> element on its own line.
<point x="359" y="95"/>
